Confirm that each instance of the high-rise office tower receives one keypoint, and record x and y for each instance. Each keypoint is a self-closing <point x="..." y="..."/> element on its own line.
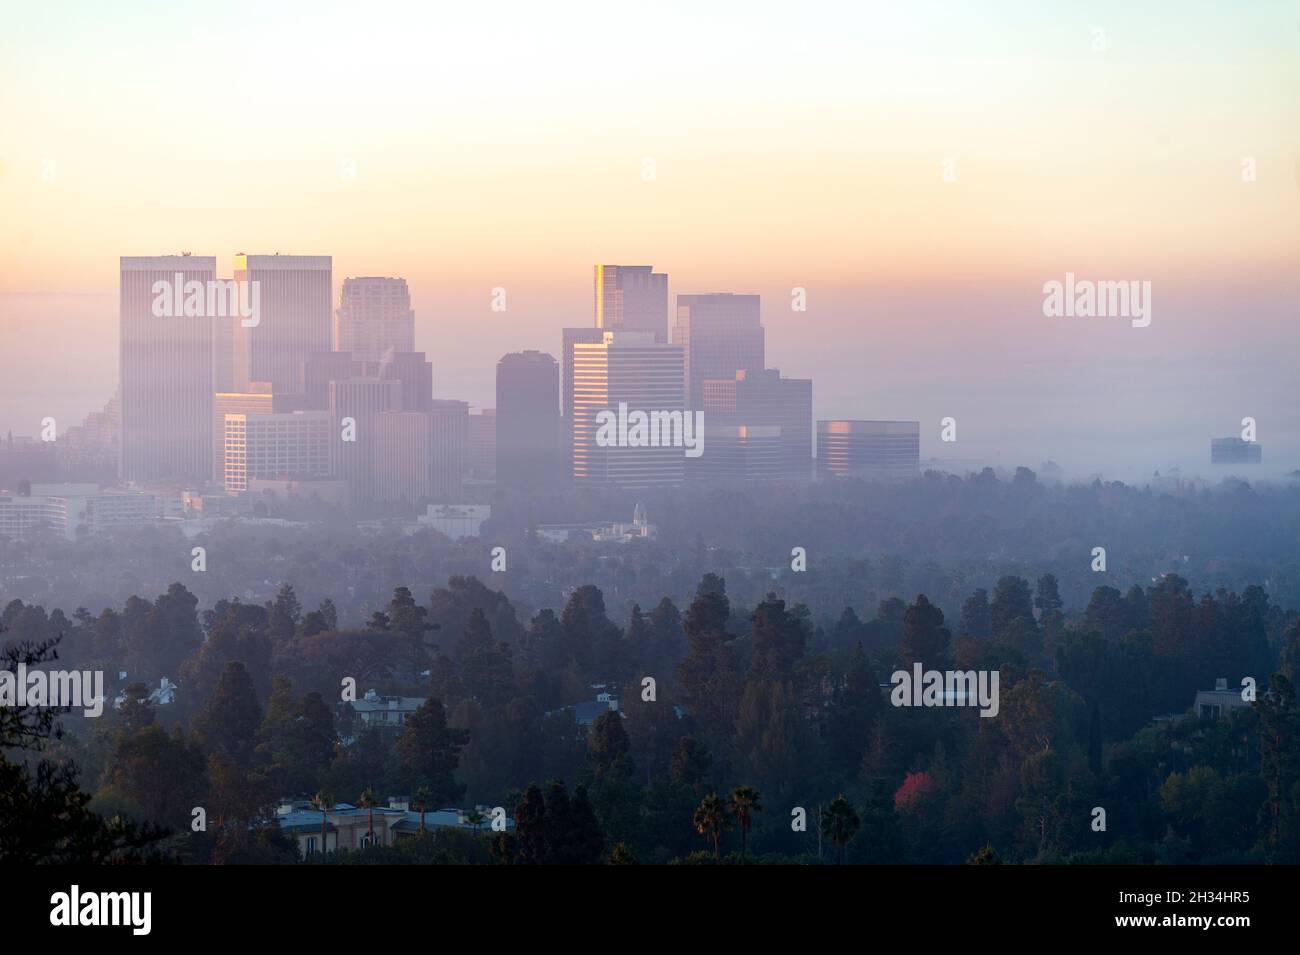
<point x="764" y="398"/>
<point x="873" y="449"/>
<point x="721" y="335"/>
<point x="293" y="294"/>
<point x="320" y="369"/>
<point x="413" y="373"/>
<point x="449" y="446"/>
<point x="361" y="400"/>
<point x="374" y="315"/>
<point x="631" y="369"/>
<point x="166" y="368"/>
<point x="403" y="457"/>
<point x="421" y="456"/>
<point x="571" y="337"/>
<point x="632" y="298"/>
<point x="257" y="400"/>
<point x="482" y="462"/>
<point x="276" y="447"/>
<point x="223" y="351"/>
<point x="529" y="439"/>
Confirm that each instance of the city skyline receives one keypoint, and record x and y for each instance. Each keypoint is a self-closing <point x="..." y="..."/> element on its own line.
<point x="919" y="176"/>
<point x="452" y="382"/>
<point x="657" y="436"/>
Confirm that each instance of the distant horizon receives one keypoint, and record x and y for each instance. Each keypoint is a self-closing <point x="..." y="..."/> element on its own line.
<point x="920" y="173"/>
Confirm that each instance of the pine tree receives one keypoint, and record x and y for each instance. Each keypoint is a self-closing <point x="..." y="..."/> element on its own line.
<point x="428" y="751"/>
<point x="231" y="718"/>
<point x="925" y="639"/>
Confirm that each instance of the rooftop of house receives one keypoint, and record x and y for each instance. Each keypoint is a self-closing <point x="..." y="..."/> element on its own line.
<point x="373" y="703"/>
<point x="299" y="819"/>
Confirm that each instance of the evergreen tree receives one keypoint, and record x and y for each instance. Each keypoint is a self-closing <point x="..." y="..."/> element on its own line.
<point x="231" y="718"/>
<point x="976" y="620"/>
<point x="1011" y="605"/>
<point x="530" y="828"/>
<point x="428" y="751"/>
<point x="778" y="640"/>
<point x="284" y="614"/>
<point x="925" y="639"/>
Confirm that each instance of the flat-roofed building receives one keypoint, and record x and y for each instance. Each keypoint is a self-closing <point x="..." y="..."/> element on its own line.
<point x="738" y="452"/>
<point x="167" y="368"/>
<point x="627" y="371"/>
<point x="529" y="440"/>
<point x="256" y="400"/>
<point x="449" y="444"/>
<point x="873" y="449"/>
<point x="765" y="398"/>
<point x="720" y="334"/>
<point x="292" y="446"/>
<point x="632" y="298"/>
<point x="1235" y="451"/>
<point x="359" y="401"/>
<point x="294" y="296"/>
<point x="482" y="463"/>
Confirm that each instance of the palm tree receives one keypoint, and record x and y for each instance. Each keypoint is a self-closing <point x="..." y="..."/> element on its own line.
<point x="323" y="802"/>
<point x="745" y="801"/>
<point x="368" y="800"/>
<point x="474" y="818"/>
<point x="840" y="824"/>
<point x="423" y="796"/>
<point x="711" y="820"/>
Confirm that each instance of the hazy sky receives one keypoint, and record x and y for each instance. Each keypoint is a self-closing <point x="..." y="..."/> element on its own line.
<point x="478" y="145"/>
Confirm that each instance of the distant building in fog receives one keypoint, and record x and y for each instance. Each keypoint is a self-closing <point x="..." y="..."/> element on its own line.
<point x="721" y="334"/>
<point x="763" y="399"/>
<point x="449" y="441"/>
<point x="167" y="370"/>
<point x="528" y="436"/>
<point x="374" y="315"/>
<point x="740" y="452"/>
<point x="324" y="367"/>
<point x="415" y="375"/>
<point x="454" y="520"/>
<point x="1235" y="451"/>
<point x="362" y="400"/>
<point x="875" y="449"/>
<point x="256" y="400"/>
<point x="294" y="292"/>
<point x="482" y="462"/>
<point x="403" y="458"/>
<point x="276" y="447"/>
<point x="571" y="338"/>
<point x="632" y="298"/>
<point x="631" y="368"/>
<point x="421" y="456"/>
